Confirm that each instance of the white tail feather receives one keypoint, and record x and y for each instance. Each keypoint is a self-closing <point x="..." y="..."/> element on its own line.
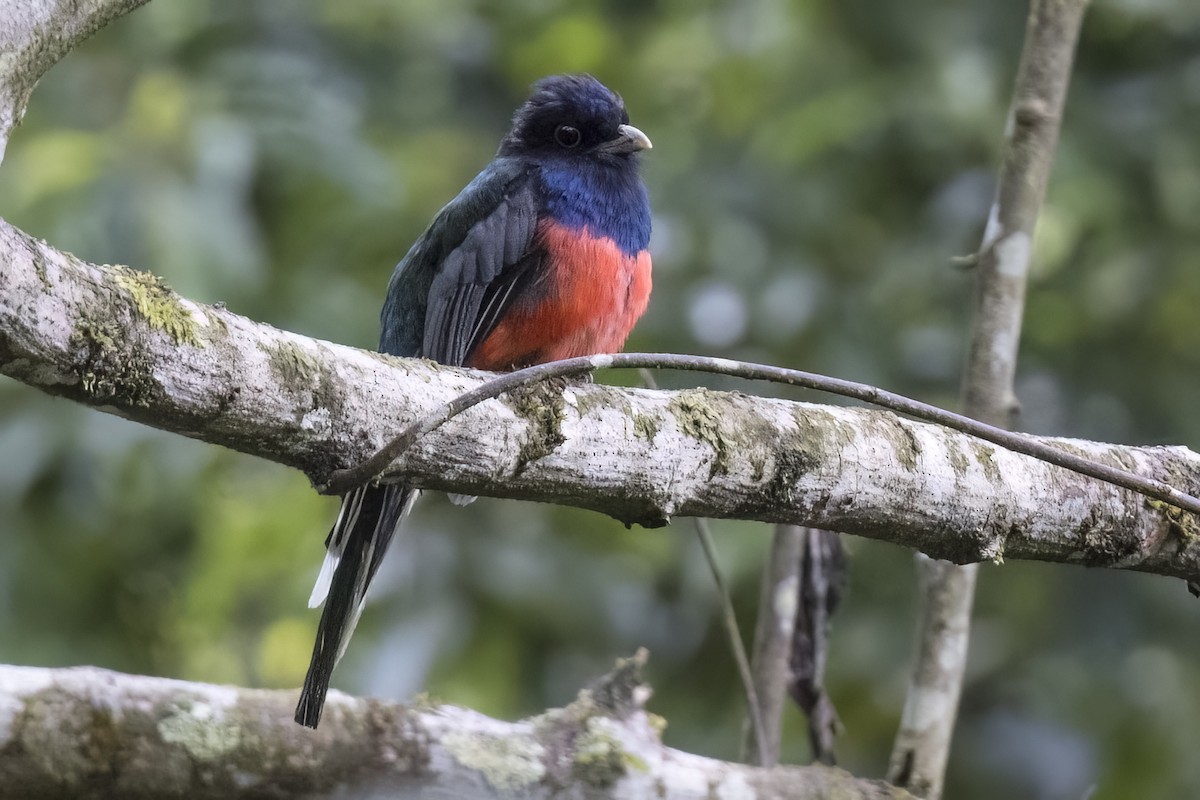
<point x="337" y="541"/>
<point x="324" y="578"/>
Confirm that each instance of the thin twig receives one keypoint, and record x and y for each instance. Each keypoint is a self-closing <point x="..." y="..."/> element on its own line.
<point x="345" y="479"/>
<point x="729" y="618"/>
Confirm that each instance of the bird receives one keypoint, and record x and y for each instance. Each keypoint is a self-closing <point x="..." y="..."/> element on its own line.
<point x="543" y="256"/>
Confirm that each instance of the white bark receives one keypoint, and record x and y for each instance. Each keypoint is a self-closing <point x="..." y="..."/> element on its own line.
<point x="34" y="34"/>
<point x="778" y="603"/>
<point x="89" y="733"/>
<point x="119" y="340"/>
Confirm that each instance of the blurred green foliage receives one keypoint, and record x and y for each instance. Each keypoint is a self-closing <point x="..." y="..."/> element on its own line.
<point x="816" y="165"/>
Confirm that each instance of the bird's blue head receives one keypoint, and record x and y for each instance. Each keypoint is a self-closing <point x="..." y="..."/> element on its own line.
<point x="577" y="130"/>
<point x="574" y="117"/>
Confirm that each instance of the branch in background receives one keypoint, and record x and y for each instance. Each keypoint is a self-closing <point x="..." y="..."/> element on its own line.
<point x="803" y="581"/>
<point x="919" y="756"/>
<point x="922" y="745"/>
<point x="822" y="583"/>
<point x="777" y="606"/>
<point x="86" y="732"/>
<point x="34" y="35"/>
<point x="119" y="340"/>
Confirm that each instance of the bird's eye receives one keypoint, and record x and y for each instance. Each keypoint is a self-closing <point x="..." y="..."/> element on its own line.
<point x="567" y="137"/>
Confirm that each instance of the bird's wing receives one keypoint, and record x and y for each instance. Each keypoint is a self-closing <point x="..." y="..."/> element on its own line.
<point x="480" y="277"/>
<point x="453" y="287"/>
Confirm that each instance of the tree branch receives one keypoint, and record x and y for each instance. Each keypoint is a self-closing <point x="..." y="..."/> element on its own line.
<point x="34" y="35"/>
<point x="90" y="733"/>
<point x="119" y="340"/>
<point x="922" y="746"/>
<point x="343" y="480"/>
<point x="778" y="603"/>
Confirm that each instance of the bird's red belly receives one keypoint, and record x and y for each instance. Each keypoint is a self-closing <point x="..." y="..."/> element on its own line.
<point x="592" y="296"/>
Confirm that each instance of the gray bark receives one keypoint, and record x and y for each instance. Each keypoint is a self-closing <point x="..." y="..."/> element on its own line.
<point x="88" y="733"/>
<point x="777" y="607"/>
<point x="120" y="341"/>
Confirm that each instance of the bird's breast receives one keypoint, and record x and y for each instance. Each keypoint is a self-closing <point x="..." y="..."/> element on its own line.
<point x="607" y="202"/>
<point x="587" y="302"/>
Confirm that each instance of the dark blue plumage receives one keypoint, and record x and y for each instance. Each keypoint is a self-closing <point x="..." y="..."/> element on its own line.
<point x="542" y="256"/>
<point x="611" y="206"/>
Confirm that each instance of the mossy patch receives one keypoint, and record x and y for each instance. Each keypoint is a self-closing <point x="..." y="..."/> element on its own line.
<point x="109" y="375"/>
<point x="614" y="692"/>
<point x="64" y="739"/>
<point x="788" y="458"/>
<point x="777" y="457"/>
<point x="884" y="426"/>
<point x="302" y="375"/>
<point x="790" y="465"/>
<point x="960" y="463"/>
<point x="544" y="407"/>
<point x="820" y="434"/>
<point x="100" y="335"/>
<point x="645" y="426"/>
<point x="161" y="308"/>
<point x="696" y="415"/>
<point x="509" y="763"/>
<point x="583" y="739"/>
<point x="600" y="758"/>
<point x="39" y="266"/>
<point x="904" y="441"/>
<point x="1183" y="524"/>
<point x="590" y="397"/>
<point x="201" y="730"/>
<point x="1104" y="548"/>
<point x="292" y="365"/>
<point x="985" y="456"/>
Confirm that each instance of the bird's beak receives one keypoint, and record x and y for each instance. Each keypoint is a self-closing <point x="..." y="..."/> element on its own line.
<point x="629" y="140"/>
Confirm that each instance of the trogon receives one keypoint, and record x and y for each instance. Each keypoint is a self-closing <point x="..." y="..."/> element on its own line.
<point x="543" y="256"/>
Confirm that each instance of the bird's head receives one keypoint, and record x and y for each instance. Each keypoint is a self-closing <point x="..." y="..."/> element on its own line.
<point x="574" y="116"/>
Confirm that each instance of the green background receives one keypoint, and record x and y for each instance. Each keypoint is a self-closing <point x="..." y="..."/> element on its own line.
<point x="816" y="165"/>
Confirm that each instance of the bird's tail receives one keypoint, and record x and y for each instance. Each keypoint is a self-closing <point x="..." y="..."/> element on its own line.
<point x="355" y="547"/>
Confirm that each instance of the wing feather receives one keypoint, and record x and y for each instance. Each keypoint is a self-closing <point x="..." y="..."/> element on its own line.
<point x="479" y="278"/>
